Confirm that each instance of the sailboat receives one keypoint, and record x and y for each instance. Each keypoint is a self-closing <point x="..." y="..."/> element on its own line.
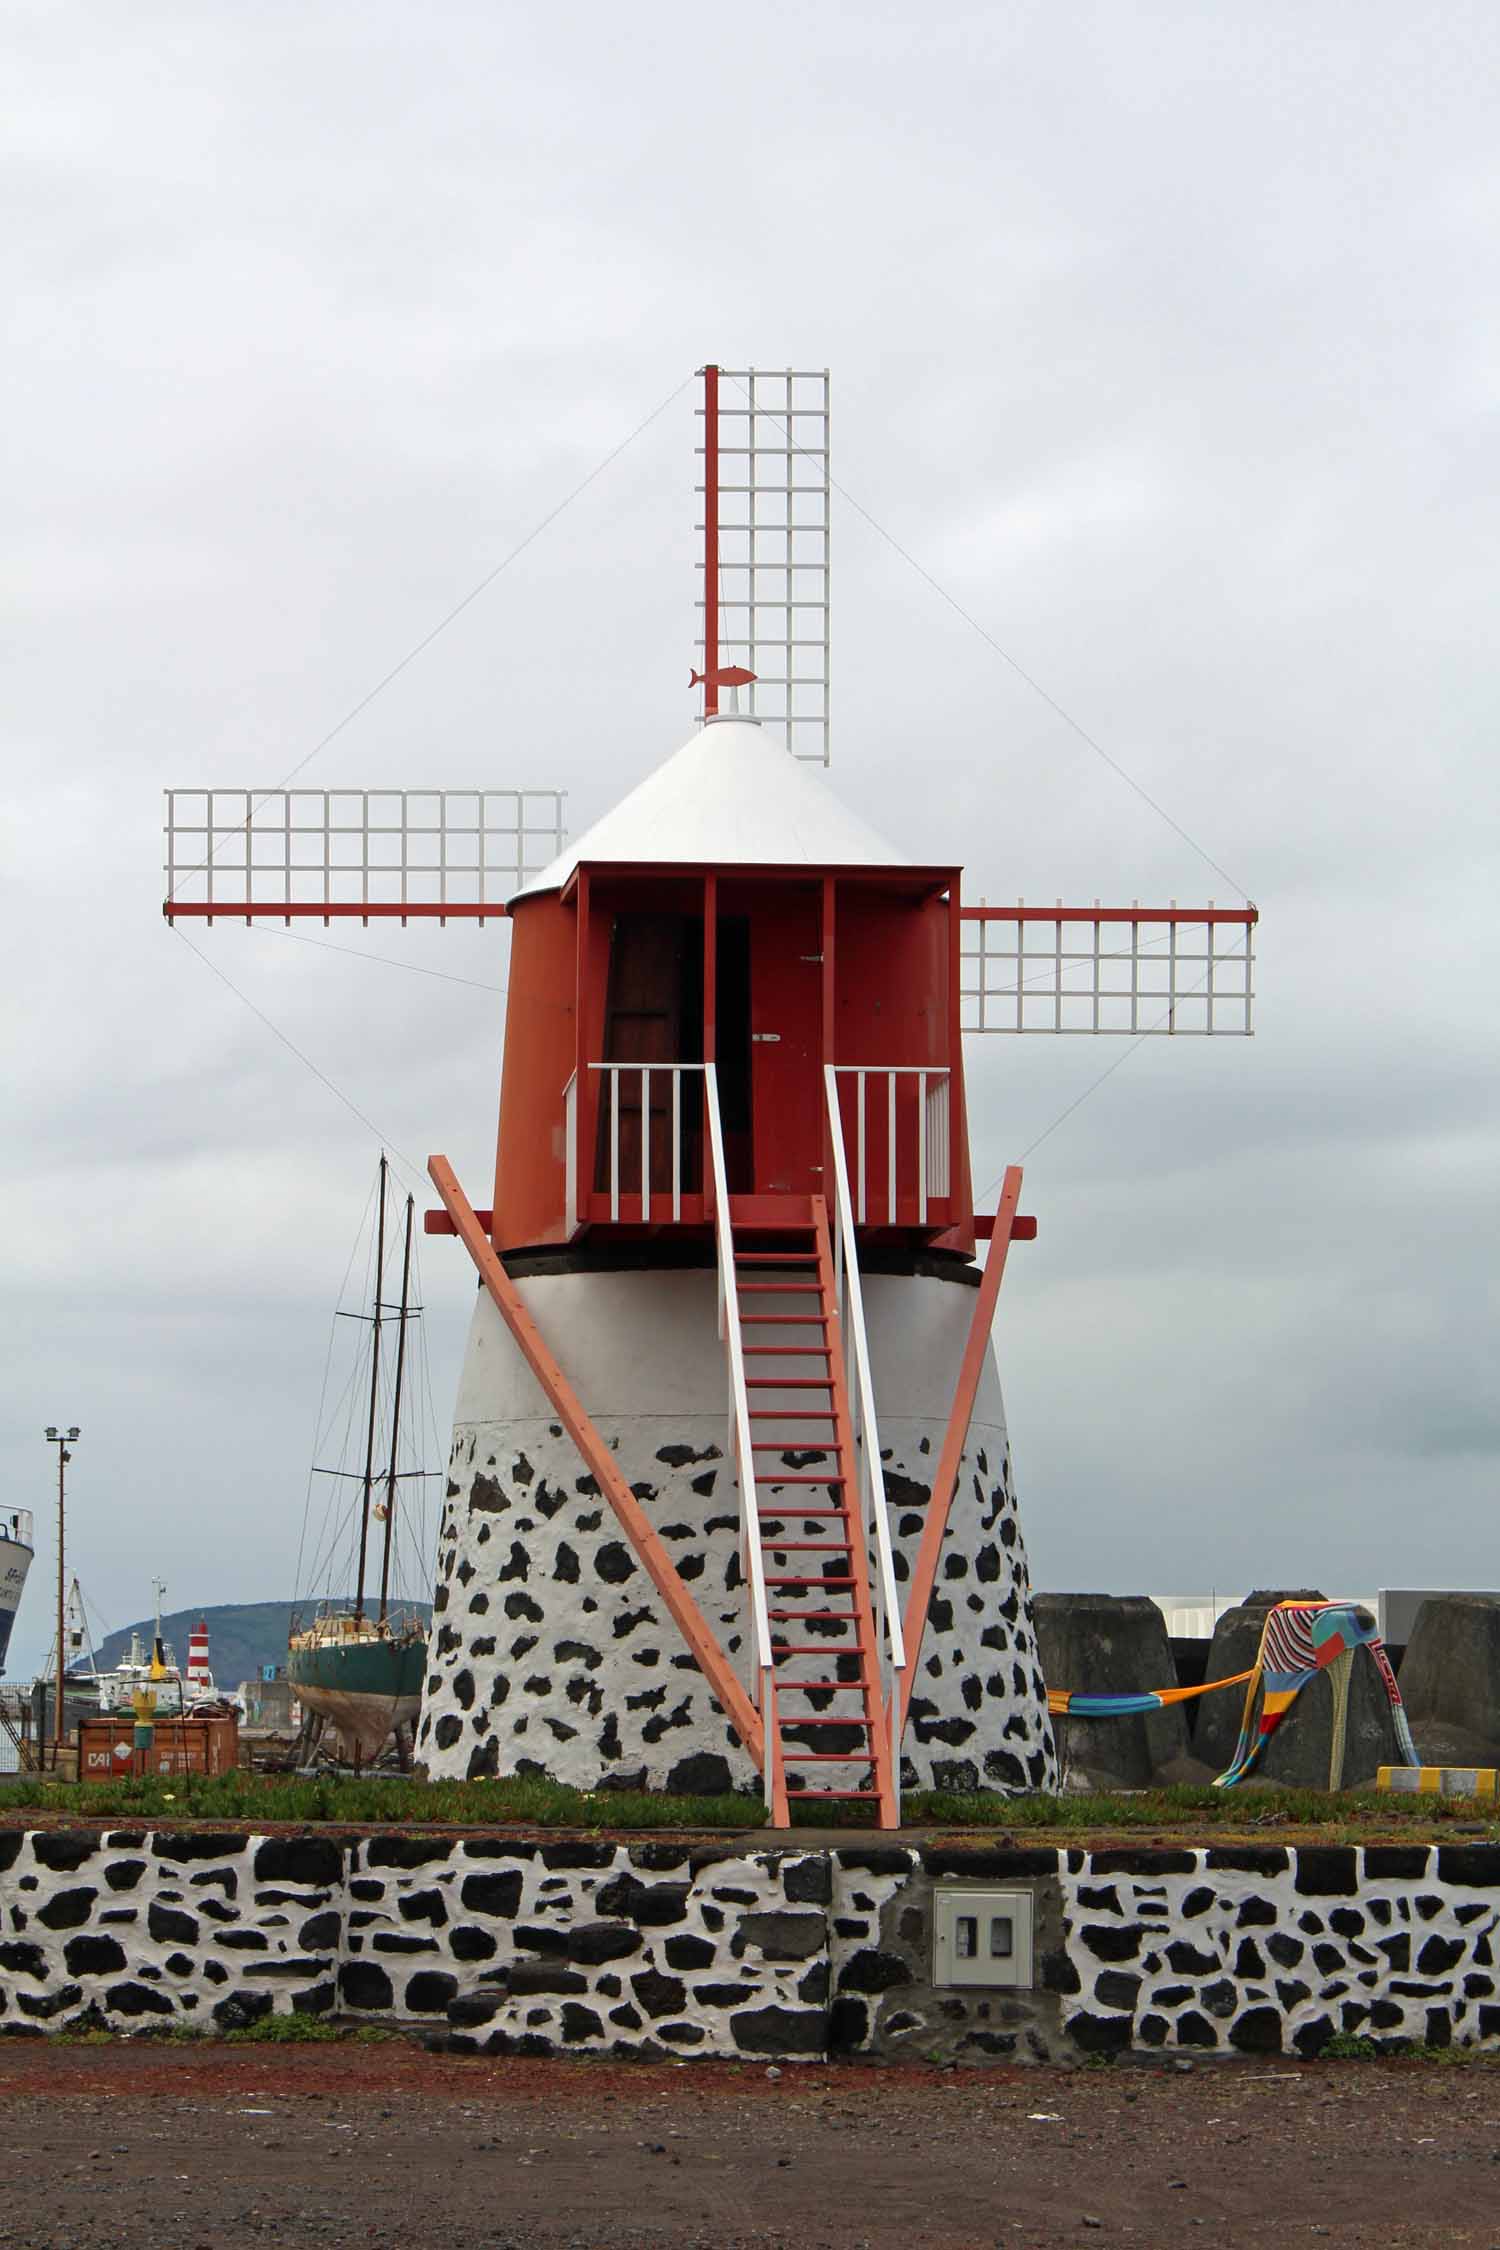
<point x="361" y="1669"/>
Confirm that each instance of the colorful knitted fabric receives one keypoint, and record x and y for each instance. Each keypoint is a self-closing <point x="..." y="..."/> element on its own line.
<point x="1298" y="1641"/>
<point x="1064" y="1703"/>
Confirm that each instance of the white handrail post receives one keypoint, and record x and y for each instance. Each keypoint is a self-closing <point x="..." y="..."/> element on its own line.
<point x="614" y="1140"/>
<point x="862" y="1393"/>
<point x="645" y="1148"/>
<point x="743" y="1449"/>
<point x="570" y="1156"/>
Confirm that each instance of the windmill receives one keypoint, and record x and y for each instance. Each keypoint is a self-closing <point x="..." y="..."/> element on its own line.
<point x="729" y="1495"/>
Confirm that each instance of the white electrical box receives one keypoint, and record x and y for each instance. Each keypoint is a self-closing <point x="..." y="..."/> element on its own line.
<point x="981" y="1937"/>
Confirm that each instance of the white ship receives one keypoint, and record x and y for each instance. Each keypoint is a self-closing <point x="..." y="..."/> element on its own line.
<point x="15" y="1561"/>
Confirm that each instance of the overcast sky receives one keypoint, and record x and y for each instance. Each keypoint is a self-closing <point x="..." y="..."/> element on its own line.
<point x="1165" y="336"/>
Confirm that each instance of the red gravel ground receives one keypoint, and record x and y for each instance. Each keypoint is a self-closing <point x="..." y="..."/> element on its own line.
<point x="209" y="2148"/>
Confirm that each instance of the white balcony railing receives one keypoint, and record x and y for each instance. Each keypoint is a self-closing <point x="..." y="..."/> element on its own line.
<point x="621" y="1082"/>
<point x="915" y="1169"/>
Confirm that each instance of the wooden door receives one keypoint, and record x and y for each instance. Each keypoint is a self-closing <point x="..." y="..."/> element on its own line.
<point x="786" y="1040"/>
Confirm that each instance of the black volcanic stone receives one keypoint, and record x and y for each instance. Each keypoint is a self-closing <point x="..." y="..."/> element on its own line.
<point x="1256" y="1913"/>
<point x="690" y="1952"/>
<point x="1311" y="2038"/>
<point x="702" y="1774"/>
<point x="302" y="1859"/>
<point x="577" y="2023"/>
<point x="1141" y="1860"/>
<point x="528" y="1977"/>
<point x="319" y="1934"/>
<point x="1327" y="1871"/>
<point x="870" y="1970"/>
<point x="537" y="1938"/>
<point x="46" y="2004"/>
<point x="1194" y="2030"/>
<point x="1188" y="1961"/>
<point x="779" y="2031"/>
<point x="780" y="1937"/>
<point x="67" y="1910"/>
<point x="1439" y="1955"/>
<point x="132" y="1999"/>
<point x="1247" y="1859"/>
<point x="10" y="1850"/>
<point x="471" y="2009"/>
<point x="169" y="1926"/>
<point x="1100" y="2035"/>
<point x="986" y="1865"/>
<point x="1475" y="1867"/>
<point x="364" y="1984"/>
<point x="1397" y="1949"/>
<point x="1403" y="1863"/>
<point x="125" y="1874"/>
<point x="1058" y="1973"/>
<point x="429" y="1992"/>
<point x="94" y="1956"/>
<point x="1285" y="1951"/>
<point x="241" y="2009"/>
<point x="1113" y="1989"/>
<point x="595" y="1942"/>
<point x="1257" y="2032"/>
<point x="499" y="1895"/>
<point x="63" y="1850"/>
<point x="1109" y="1943"/>
<point x="808" y="1882"/>
<point x="659" y="1995"/>
<point x="468" y="1944"/>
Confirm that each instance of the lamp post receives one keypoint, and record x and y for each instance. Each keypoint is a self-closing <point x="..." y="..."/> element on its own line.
<point x="62" y="1439"/>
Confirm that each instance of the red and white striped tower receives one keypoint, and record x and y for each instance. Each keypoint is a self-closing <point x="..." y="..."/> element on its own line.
<point x="200" y="1680"/>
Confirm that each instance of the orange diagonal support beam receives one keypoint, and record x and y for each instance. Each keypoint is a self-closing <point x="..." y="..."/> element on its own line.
<point x="955" y="1437"/>
<point x="600" y="1462"/>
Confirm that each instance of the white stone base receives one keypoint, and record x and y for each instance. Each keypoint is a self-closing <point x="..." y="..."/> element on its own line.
<point x="551" y="1650"/>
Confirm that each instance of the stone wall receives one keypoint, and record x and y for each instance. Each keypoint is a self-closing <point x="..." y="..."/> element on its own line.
<point x="731" y="1948"/>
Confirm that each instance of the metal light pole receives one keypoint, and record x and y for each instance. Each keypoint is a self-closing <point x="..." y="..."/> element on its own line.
<point x="62" y="1439"/>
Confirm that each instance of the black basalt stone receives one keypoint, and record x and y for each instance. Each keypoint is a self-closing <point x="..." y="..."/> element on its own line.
<point x="429" y="1992"/>
<point x="1256" y="1913"/>
<point x="614" y="1563"/>
<point x="782" y="1937"/>
<point x="1100" y="2035"/>
<point x="1285" y="1951"/>
<point x="704" y="1773"/>
<point x="67" y="1910"/>
<point x="64" y="1850"/>
<point x="423" y="1906"/>
<point x="870" y="1970"/>
<point x="125" y="1874"/>
<point x="1247" y="1859"/>
<point x="1194" y="2030"/>
<point x="305" y="1859"/>
<point x="364" y="1984"/>
<point x="468" y="1944"/>
<point x="1474" y="1867"/>
<point x="1257" y="2032"/>
<point x="1399" y="1863"/>
<point x="170" y="1926"/>
<point x="1249" y="1966"/>
<point x="93" y="1956"/>
<point x="47" y="2004"/>
<point x="1188" y="1961"/>
<point x="1310" y="2039"/>
<point x="596" y="1942"/>
<point x="985" y="1865"/>
<point x="659" y="1995"/>
<point x="807" y="1882"/>
<point x="1327" y="1870"/>
<point x="132" y="1999"/>
<point x="1147" y="1862"/>
<point x="578" y="2023"/>
<point x="780" y="2031"/>
<point x="1113" y="1989"/>
<point x="239" y="2010"/>
<point x="1058" y="1973"/>
<point x="484" y="1758"/>
<point x="1439" y="1955"/>
<point x="498" y="1894"/>
<point x="320" y="1933"/>
<point x="1109" y="1943"/>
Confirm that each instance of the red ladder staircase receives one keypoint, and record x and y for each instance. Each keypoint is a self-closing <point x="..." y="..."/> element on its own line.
<point x="816" y="1569"/>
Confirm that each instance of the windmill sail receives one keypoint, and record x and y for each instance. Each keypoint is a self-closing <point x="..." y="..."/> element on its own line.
<point x="1143" y="971"/>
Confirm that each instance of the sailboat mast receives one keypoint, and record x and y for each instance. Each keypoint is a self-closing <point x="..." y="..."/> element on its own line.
<point x="364" y="1511"/>
<point x="390" y="1482"/>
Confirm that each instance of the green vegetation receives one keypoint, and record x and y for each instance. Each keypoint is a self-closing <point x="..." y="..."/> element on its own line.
<point x="251" y="1800"/>
<point x="1350" y="2046"/>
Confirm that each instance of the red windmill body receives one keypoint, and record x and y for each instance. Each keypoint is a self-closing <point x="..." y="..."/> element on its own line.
<point x="729" y="1496"/>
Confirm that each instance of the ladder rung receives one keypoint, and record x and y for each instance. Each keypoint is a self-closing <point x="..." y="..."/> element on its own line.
<point x="789" y="1382"/>
<point x="783" y="1320"/>
<point x="792" y="1414"/>
<point x="805" y="1546"/>
<point x="780" y="1289"/>
<point x="800" y="1477"/>
<point x="834" y="1585"/>
<point x="806" y="1616"/>
<point x="787" y="1351"/>
<point x="797" y="1687"/>
<point x="822" y="1758"/>
<point x="802" y="1515"/>
<point x="819" y="1648"/>
<point x="797" y="1720"/>
<point x="775" y="1258"/>
<point x="824" y="1796"/>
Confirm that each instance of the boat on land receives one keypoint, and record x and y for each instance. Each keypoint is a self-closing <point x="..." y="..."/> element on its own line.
<point x="16" y="1550"/>
<point x="360" y="1668"/>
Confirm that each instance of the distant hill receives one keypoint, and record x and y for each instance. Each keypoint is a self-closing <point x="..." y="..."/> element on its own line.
<point x="242" y="1636"/>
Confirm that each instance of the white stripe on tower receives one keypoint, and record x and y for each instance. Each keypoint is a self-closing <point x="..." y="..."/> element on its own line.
<point x="198" y="1674"/>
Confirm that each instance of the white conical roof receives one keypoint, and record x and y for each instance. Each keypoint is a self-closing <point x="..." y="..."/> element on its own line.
<point x="730" y="797"/>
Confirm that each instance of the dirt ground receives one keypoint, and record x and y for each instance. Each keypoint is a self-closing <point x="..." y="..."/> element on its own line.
<point x="210" y="2148"/>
